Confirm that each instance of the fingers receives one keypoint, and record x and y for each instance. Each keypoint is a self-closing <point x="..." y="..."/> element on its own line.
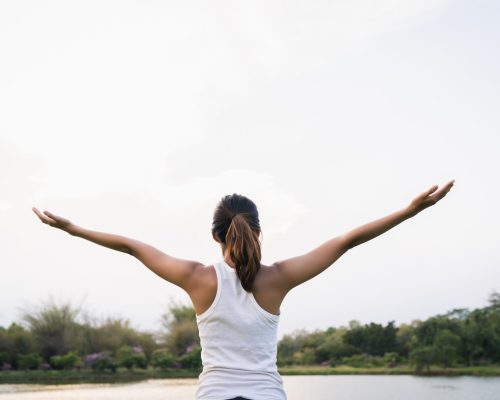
<point x="431" y="190"/>
<point x="443" y="191"/>
<point x="44" y="218"/>
<point x="49" y="214"/>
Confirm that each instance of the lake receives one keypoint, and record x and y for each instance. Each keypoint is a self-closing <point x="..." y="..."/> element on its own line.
<point x="330" y="387"/>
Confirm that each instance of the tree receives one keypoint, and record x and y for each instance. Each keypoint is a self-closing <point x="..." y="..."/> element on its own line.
<point x="373" y="338"/>
<point x="181" y="330"/>
<point x="422" y="357"/>
<point x="427" y="330"/>
<point x="446" y="347"/>
<point x="54" y="328"/>
<point x="494" y="299"/>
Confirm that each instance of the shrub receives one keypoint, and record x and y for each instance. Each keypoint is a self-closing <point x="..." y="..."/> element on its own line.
<point x="391" y="359"/>
<point x="45" y="366"/>
<point x="29" y="361"/>
<point x="100" y="361"/>
<point x="6" y="367"/>
<point x="306" y="356"/>
<point x="130" y="357"/>
<point x="163" y="359"/>
<point x="67" y="361"/>
<point x="364" y="360"/>
<point x="192" y="359"/>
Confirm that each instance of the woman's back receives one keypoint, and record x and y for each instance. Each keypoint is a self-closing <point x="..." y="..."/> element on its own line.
<point x="239" y="344"/>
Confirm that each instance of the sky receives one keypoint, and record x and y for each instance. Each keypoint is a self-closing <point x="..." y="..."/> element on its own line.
<point x="135" y="118"/>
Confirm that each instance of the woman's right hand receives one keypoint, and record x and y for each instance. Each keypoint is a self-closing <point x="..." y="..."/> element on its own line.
<point x="54" y="220"/>
<point x="427" y="198"/>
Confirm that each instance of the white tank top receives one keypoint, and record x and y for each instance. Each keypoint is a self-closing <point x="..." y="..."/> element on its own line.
<point x="238" y="344"/>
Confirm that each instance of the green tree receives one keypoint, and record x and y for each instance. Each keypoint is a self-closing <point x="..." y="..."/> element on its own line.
<point x="181" y="330"/>
<point x="482" y="335"/>
<point x="406" y="339"/>
<point x="422" y="357"/>
<point x="373" y="339"/>
<point x="428" y="329"/>
<point x="54" y="328"/>
<point x="446" y="347"/>
<point x="15" y="340"/>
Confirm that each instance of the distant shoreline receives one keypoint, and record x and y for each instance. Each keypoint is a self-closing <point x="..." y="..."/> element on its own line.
<point x="89" y="376"/>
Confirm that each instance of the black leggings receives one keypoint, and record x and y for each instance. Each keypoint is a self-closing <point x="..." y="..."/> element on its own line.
<point x="239" y="398"/>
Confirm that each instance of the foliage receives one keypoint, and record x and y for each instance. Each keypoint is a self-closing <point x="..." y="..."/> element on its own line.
<point x="422" y="357"/>
<point x="130" y="357"/>
<point x="373" y="338"/>
<point x="192" y="358"/>
<point x="181" y="330"/>
<point x="54" y="328"/>
<point x="391" y="359"/>
<point x="29" y="361"/>
<point x="364" y="360"/>
<point x="101" y="361"/>
<point x="446" y="347"/>
<point x="53" y="338"/>
<point x="162" y="359"/>
<point x="67" y="361"/>
<point x="15" y="340"/>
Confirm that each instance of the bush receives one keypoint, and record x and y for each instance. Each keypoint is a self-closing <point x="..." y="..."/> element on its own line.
<point x="391" y="359"/>
<point x="162" y="359"/>
<point x="100" y="361"/>
<point x="364" y="360"/>
<point x="67" y="361"/>
<point x="306" y="356"/>
<point x="45" y="366"/>
<point x="6" y="367"/>
<point x="130" y="357"/>
<point x="29" y="361"/>
<point x="192" y="359"/>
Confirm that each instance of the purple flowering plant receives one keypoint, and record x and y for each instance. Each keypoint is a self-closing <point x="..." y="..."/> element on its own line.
<point x="6" y="366"/>
<point x="137" y="349"/>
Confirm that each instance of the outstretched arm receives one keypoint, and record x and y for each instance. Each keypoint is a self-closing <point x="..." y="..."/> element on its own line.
<point x="175" y="270"/>
<point x="294" y="271"/>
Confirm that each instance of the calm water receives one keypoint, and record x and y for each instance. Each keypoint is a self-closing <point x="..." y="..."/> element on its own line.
<point x="347" y="387"/>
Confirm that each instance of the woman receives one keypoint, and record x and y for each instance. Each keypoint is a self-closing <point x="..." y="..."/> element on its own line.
<point x="237" y="299"/>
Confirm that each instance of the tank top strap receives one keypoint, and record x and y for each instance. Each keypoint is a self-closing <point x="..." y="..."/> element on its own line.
<point x="220" y="270"/>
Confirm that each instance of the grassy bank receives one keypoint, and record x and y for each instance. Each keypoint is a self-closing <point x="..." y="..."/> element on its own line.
<point x="89" y="376"/>
<point x="123" y="375"/>
<point x="400" y="370"/>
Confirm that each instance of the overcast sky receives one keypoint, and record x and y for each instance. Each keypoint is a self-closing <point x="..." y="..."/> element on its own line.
<point x="135" y="118"/>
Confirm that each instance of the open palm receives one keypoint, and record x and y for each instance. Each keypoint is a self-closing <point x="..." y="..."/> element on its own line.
<point x="430" y="197"/>
<point x="53" y="220"/>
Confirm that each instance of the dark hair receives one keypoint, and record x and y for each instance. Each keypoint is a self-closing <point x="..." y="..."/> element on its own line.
<point x="236" y="226"/>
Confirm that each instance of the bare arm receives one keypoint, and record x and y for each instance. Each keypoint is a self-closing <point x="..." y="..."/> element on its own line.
<point x="175" y="270"/>
<point x="294" y="271"/>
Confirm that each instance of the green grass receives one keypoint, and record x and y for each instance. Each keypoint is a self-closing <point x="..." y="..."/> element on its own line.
<point x="89" y="376"/>
<point x="124" y="375"/>
<point x="399" y="370"/>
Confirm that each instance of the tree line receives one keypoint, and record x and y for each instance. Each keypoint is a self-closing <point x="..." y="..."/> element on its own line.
<point x="62" y="337"/>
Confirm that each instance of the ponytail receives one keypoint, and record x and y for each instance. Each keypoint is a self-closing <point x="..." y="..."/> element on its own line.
<point x="243" y="246"/>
